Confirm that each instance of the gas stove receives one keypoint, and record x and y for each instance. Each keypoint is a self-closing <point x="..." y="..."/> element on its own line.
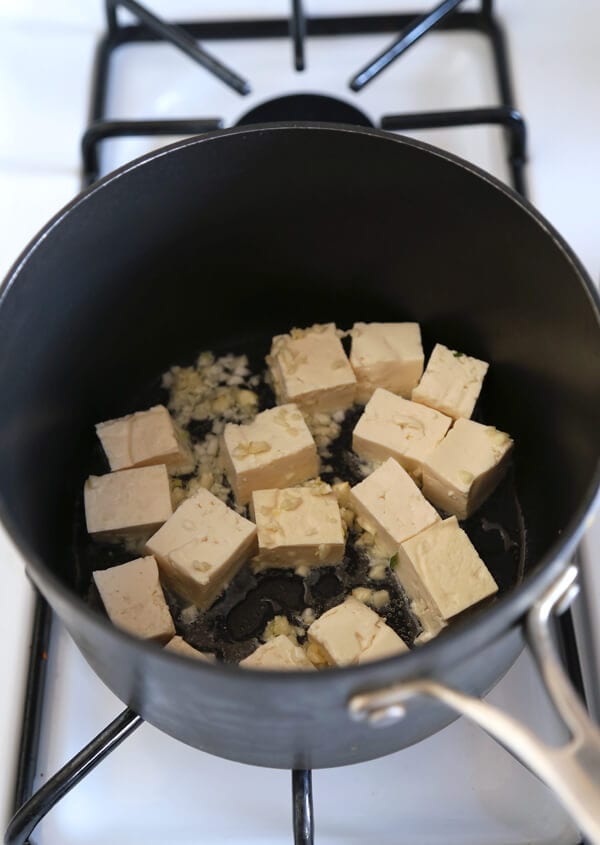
<point x="224" y="65"/>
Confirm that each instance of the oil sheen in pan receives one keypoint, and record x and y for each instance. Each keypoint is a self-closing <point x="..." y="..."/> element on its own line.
<point x="232" y="626"/>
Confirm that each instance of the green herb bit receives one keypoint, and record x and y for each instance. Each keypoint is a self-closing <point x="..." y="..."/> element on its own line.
<point x="394" y="560"/>
<point x="458" y="354"/>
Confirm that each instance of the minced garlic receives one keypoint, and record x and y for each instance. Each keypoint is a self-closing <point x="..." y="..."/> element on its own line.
<point x="380" y="598"/>
<point x="308" y="616"/>
<point x="281" y="626"/>
<point x="325" y="428"/>
<point x="212" y="386"/>
<point x="216" y="389"/>
<point x="316" y="655"/>
<point x="363" y="594"/>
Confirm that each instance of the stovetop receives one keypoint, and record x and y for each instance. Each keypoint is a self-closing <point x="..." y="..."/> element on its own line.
<point x="457" y="786"/>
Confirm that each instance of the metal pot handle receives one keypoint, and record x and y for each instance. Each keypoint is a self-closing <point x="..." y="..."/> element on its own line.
<point x="572" y="770"/>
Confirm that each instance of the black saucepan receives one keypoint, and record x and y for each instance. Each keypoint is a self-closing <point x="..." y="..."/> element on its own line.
<point x="218" y="241"/>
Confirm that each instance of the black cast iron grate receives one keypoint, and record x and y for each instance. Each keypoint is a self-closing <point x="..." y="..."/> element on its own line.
<point x="186" y="36"/>
<point x="31" y="808"/>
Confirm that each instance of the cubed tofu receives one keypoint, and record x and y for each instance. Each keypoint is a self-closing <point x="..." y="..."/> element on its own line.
<point x="309" y="367"/>
<point x="134" y="600"/>
<point x="385" y="643"/>
<point x="441" y="568"/>
<point x="351" y="633"/>
<point x="142" y="439"/>
<point x="451" y="382"/>
<point x="278" y="653"/>
<point x="202" y="546"/>
<point x="388" y="355"/>
<point x="466" y="467"/>
<point x="179" y="646"/>
<point x="275" y="450"/>
<point x="298" y="526"/>
<point x="393" y="427"/>
<point x="389" y="505"/>
<point x="128" y="503"/>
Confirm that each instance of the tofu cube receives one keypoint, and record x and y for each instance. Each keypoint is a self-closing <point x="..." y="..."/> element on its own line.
<point x="298" y="526"/>
<point x="129" y="503"/>
<point x="134" y="600"/>
<point x="385" y="643"/>
<point x="466" y="467"/>
<point x="393" y="427"/>
<point x="201" y="547"/>
<point x="351" y="633"/>
<point x="142" y="439"/>
<point x="388" y="355"/>
<point x="451" y="382"/>
<point x="389" y="505"/>
<point x="440" y="567"/>
<point x="179" y="646"/>
<point x="275" y="450"/>
<point x="278" y="653"/>
<point x="309" y="367"/>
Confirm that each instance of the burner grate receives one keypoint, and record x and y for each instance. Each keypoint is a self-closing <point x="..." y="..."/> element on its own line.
<point x="300" y="27"/>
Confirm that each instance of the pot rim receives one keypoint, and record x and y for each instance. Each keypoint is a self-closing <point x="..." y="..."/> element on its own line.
<point x="459" y="641"/>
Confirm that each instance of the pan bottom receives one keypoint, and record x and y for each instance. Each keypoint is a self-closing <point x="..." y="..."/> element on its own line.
<point x="232" y="627"/>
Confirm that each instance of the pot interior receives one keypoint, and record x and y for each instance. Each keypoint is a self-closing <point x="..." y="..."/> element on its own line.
<point x="223" y="242"/>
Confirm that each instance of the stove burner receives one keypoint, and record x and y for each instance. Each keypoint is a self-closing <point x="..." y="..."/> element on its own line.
<point x="313" y="107"/>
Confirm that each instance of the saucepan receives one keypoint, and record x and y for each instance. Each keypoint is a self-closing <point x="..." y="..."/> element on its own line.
<point x="241" y="234"/>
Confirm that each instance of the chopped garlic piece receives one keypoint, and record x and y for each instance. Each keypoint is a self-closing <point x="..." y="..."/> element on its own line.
<point x="279" y="626"/>
<point x="380" y="598"/>
<point x="363" y="594"/>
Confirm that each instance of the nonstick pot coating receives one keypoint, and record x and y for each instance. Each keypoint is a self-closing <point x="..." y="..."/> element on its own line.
<point x="235" y="236"/>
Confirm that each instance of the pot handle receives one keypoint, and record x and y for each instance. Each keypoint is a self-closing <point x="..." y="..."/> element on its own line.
<point x="572" y="770"/>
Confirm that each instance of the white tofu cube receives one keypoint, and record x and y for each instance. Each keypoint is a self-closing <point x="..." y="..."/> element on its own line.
<point x="134" y="600"/>
<point x="201" y="547"/>
<point x="179" y="646"/>
<point x="298" y="526"/>
<point x="142" y="439"/>
<point x="389" y="505"/>
<point x="451" y="382"/>
<point x="466" y="467"/>
<point x="128" y="503"/>
<point x="275" y="450"/>
<point x="351" y="633"/>
<point x="385" y="643"/>
<point x="441" y="568"/>
<point x="393" y="427"/>
<point x="309" y="367"/>
<point x="388" y="355"/>
<point x="278" y="653"/>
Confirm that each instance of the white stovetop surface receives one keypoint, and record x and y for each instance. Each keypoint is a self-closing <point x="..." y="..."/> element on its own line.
<point x="45" y="59"/>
